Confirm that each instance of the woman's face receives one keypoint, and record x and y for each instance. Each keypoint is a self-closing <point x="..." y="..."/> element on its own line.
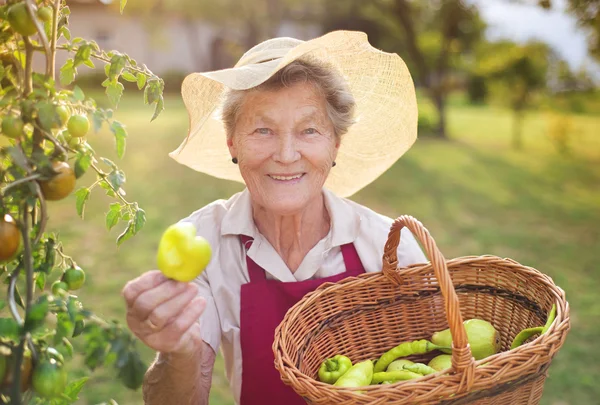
<point x="285" y="146"/>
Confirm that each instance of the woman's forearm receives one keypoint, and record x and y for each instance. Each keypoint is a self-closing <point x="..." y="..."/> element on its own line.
<point x="181" y="380"/>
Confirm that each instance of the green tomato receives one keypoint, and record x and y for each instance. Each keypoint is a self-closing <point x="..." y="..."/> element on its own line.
<point x="59" y="287"/>
<point x="182" y="255"/>
<point x="63" y="114"/>
<point x="74" y="277"/>
<point x="49" y="379"/>
<point x="78" y="125"/>
<point x="45" y="13"/>
<point x="19" y="19"/>
<point x="12" y="126"/>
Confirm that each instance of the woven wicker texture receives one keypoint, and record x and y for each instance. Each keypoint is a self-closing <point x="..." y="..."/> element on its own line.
<point x="362" y="317"/>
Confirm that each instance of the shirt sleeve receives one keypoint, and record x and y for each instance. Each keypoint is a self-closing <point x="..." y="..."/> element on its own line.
<point x="209" y="320"/>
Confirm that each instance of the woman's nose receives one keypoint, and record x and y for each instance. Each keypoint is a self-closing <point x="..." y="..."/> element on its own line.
<point x="287" y="150"/>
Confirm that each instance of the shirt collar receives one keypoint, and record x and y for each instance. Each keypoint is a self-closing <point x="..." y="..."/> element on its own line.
<point x="345" y="221"/>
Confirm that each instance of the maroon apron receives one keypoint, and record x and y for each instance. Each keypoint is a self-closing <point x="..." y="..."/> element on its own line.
<point x="263" y="305"/>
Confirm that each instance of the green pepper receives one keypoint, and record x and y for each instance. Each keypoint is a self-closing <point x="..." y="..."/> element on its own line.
<point x="359" y="375"/>
<point x="419" y="368"/>
<point x="334" y="368"/>
<point x="529" y="332"/>
<point x="405" y="349"/>
<point x="551" y="317"/>
<point x="394" y="376"/>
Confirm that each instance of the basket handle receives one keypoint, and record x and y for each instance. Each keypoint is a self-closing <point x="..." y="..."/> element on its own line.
<point x="462" y="360"/>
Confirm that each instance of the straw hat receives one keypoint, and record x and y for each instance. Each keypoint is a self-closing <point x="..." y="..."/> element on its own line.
<point x="386" y="107"/>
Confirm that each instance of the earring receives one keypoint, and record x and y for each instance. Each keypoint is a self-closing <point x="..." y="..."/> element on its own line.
<point x="333" y="165"/>
<point x="234" y="160"/>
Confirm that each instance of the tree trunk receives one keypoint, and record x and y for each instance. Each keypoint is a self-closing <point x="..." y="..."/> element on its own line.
<point x="440" y="104"/>
<point x="517" y="141"/>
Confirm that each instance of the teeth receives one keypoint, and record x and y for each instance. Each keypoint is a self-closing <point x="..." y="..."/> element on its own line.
<point x="286" y="177"/>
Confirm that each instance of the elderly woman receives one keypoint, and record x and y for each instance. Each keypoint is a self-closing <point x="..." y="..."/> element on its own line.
<point x="278" y="121"/>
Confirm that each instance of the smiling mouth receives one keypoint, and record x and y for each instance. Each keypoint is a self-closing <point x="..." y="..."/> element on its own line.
<point x="286" y="178"/>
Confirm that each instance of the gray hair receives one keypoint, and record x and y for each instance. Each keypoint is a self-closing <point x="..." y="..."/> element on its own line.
<point x="332" y="86"/>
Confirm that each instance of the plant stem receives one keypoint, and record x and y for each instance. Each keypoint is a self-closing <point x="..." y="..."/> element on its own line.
<point x="28" y="67"/>
<point x="104" y="58"/>
<point x="20" y="181"/>
<point x="51" y="139"/>
<point x="15" y="397"/>
<point x="53" y="39"/>
<point x="103" y="175"/>
<point x="12" y="304"/>
<point x="41" y="32"/>
<point x="44" y="214"/>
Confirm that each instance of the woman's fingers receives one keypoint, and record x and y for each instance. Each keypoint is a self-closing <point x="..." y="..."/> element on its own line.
<point x="148" y="300"/>
<point x="145" y="282"/>
<point x="169" y="337"/>
<point x="163" y="313"/>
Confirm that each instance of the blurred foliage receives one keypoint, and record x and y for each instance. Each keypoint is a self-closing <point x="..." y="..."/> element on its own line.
<point x="517" y="73"/>
<point x="587" y="13"/>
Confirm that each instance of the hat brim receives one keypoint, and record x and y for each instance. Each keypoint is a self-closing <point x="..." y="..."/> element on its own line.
<point x="386" y="110"/>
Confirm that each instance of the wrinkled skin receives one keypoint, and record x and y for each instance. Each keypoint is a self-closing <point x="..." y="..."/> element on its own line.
<point x="287" y="133"/>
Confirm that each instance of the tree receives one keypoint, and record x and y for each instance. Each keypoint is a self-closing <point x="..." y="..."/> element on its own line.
<point x="519" y="71"/>
<point x="587" y="13"/>
<point x="435" y="35"/>
<point x="44" y="154"/>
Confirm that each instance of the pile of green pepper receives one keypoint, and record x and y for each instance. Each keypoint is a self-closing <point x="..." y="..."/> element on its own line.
<point x="340" y="371"/>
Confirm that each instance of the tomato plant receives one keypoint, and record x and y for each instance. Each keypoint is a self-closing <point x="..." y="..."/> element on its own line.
<point x="44" y="153"/>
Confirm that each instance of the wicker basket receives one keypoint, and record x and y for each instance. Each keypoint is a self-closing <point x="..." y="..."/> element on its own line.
<point x="364" y="316"/>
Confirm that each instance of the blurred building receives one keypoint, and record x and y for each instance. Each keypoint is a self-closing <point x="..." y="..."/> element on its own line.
<point x="170" y="45"/>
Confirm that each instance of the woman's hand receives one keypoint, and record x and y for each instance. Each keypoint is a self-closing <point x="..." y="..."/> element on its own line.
<point x="164" y="313"/>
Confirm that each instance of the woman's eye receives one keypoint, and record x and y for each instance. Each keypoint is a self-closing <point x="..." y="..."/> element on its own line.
<point x="310" y="131"/>
<point x="262" y="131"/>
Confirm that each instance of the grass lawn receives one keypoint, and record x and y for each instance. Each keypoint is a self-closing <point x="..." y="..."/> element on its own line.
<point x="475" y="195"/>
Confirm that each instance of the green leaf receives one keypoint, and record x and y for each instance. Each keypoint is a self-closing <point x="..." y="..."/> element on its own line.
<point x="82" y="196"/>
<point x="113" y="215"/>
<point x="9" y="328"/>
<point x="132" y="373"/>
<point x="64" y="326"/>
<point x="159" y="108"/>
<point x="47" y="115"/>
<point x="120" y="134"/>
<point x="117" y="64"/>
<point x="64" y="31"/>
<point x="109" y="191"/>
<point x="18" y="157"/>
<point x="78" y="93"/>
<point x="82" y="164"/>
<point x="79" y="327"/>
<point x="126" y="234"/>
<point x="67" y="73"/>
<point x="89" y="63"/>
<point x="40" y="280"/>
<point x="107" y="70"/>
<point x="114" y="91"/>
<point x="109" y="162"/>
<point x="116" y="179"/>
<point x="129" y="77"/>
<point x="37" y="313"/>
<point x="83" y="53"/>
<point x="140" y="220"/>
<point x="74" y="388"/>
<point x="141" y="80"/>
<point x="122" y="6"/>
